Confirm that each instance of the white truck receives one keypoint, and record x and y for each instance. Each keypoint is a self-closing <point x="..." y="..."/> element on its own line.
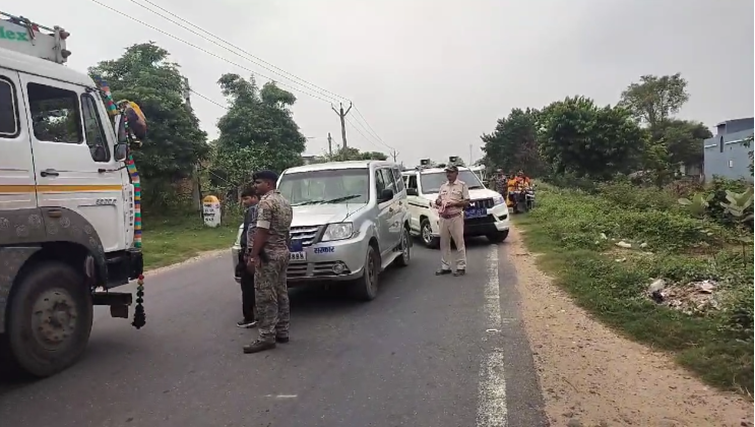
<point x="67" y="211"/>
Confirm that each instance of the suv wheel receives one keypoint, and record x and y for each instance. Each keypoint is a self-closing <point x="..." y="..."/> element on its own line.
<point x="406" y="249"/>
<point x="426" y="233"/>
<point x="366" y="287"/>
<point x="49" y="319"/>
<point x="498" y="236"/>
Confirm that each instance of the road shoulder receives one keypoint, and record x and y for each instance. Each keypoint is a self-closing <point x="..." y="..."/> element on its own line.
<point x="590" y="374"/>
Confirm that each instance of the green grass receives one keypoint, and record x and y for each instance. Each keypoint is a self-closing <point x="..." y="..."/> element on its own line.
<point x="565" y="228"/>
<point x="170" y="240"/>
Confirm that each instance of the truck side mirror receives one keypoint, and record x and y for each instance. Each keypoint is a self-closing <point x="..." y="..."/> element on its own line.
<point x="121" y="151"/>
<point x="120" y="130"/>
<point x="412" y="192"/>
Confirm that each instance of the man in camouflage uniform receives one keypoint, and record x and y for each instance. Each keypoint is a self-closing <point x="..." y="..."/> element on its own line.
<point x="268" y="259"/>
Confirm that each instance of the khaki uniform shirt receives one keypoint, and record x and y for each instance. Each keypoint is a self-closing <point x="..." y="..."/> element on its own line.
<point x="274" y="214"/>
<point x="453" y="193"/>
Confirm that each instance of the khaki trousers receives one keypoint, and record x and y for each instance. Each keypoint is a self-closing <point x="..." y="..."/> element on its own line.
<point x="452" y="228"/>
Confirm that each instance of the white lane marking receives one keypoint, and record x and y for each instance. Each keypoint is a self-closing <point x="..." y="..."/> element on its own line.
<point x="492" y="410"/>
<point x="282" y="396"/>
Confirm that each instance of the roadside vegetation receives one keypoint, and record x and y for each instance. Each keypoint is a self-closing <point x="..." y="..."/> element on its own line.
<point x="625" y="225"/>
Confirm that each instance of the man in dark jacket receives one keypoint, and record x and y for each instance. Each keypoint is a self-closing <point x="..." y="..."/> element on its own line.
<point x="249" y="200"/>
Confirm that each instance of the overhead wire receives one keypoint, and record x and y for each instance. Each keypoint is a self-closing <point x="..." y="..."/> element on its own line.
<point x="254" y="59"/>
<point x="322" y="91"/>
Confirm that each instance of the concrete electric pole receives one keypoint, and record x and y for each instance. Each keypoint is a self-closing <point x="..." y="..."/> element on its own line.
<point x="330" y="145"/>
<point x="394" y="154"/>
<point x="342" y="116"/>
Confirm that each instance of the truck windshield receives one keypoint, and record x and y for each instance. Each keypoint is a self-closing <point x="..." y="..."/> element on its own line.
<point x="326" y="186"/>
<point x="431" y="182"/>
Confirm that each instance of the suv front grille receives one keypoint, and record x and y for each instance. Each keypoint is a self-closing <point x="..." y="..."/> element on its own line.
<point x="305" y="234"/>
<point x="483" y="203"/>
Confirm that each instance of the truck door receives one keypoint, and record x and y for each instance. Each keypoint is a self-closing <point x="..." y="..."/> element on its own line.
<point x="16" y="167"/>
<point x="73" y="158"/>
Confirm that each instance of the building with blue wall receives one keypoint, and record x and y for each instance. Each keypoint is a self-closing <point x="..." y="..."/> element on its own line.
<point x="724" y="155"/>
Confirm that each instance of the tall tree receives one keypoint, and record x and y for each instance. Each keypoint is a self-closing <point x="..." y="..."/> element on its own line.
<point x="579" y="137"/>
<point x="257" y="132"/>
<point x="513" y="144"/>
<point x="174" y="142"/>
<point x="683" y="140"/>
<point x="655" y="99"/>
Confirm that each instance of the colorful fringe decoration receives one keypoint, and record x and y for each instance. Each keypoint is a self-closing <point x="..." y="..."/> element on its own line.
<point x="140" y="318"/>
<point x="134" y="173"/>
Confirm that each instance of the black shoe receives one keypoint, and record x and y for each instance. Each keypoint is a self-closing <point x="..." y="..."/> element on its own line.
<point x="258" y="346"/>
<point x="442" y="272"/>
<point x="461" y="272"/>
<point x="282" y="340"/>
<point x="246" y="323"/>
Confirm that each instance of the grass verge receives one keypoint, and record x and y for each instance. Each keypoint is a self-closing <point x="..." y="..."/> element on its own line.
<point x="174" y="239"/>
<point x="576" y="235"/>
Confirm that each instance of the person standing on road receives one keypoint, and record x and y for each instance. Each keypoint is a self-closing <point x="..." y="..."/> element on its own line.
<point x="452" y="199"/>
<point x="249" y="200"/>
<point x="269" y="259"/>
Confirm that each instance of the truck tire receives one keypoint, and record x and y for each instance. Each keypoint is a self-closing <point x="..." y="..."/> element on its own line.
<point x="49" y="319"/>
<point x="366" y="287"/>
<point x="425" y="234"/>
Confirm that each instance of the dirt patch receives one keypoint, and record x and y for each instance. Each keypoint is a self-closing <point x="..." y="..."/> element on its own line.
<point x="590" y="376"/>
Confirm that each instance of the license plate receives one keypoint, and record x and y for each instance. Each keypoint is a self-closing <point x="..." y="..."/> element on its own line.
<point x="298" y="256"/>
<point x="476" y="213"/>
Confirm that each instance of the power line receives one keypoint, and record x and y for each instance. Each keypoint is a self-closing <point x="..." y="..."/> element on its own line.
<point x="166" y="33"/>
<point x="204" y="50"/>
<point x="208" y="99"/>
<point x="255" y="59"/>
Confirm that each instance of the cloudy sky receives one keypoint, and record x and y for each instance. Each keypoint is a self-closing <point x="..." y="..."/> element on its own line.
<point x="429" y="76"/>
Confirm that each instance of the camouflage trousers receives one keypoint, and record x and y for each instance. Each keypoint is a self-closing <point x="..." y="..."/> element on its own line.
<point x="271" y="294"/>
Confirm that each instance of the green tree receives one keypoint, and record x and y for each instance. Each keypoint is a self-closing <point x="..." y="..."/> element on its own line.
<point x="174" y="142"/>
<point x="578" y="137"/>
<point x="513" y="144"/>
<point x="258" y="131"/>
<point x="683" y="140"/>
<point x="655" y="99"/>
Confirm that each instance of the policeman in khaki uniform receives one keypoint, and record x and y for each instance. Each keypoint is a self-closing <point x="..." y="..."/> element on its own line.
<point x="269" y="259"/>
<point x="452" y="199"/>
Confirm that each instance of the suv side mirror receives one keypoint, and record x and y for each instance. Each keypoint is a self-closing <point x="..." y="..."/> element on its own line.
<point x="386" y="195"/>
<point x="412" y="192"/>
<point x="121" y="151"/>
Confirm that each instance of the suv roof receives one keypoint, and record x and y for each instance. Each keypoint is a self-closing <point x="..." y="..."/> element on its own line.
<point x="351" y="164"/>
<point x="432" y="170"/>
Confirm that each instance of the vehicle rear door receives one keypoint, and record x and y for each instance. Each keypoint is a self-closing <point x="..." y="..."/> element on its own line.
<point x="16" y="167"/>
<point x="74" y="163"/>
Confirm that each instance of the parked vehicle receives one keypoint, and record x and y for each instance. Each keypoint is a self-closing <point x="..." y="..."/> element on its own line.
<point x="350" y="222"/>
<point x="487" y="214"/>
<point x="67" y="213"/>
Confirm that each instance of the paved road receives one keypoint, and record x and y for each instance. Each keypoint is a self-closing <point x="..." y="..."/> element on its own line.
<point x="435" y="352"/>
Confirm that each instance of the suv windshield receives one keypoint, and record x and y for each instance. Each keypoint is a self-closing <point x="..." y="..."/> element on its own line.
<point x="326" y="186"/>
<point x="431" y="182"/>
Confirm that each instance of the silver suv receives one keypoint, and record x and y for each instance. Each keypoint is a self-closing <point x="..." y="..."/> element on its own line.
<point x="351" y="221"/>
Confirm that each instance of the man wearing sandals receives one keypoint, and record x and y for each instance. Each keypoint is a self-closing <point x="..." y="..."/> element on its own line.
<point x="453" y="197"/>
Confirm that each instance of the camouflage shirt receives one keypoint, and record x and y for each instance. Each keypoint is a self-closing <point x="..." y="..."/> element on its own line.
<point x="274" y="214"/>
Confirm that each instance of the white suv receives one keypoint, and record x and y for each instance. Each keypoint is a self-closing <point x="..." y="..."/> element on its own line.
<point x="487" y="214"/>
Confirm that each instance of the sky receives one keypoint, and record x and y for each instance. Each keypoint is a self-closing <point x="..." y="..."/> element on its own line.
<point x="430" y="77"/>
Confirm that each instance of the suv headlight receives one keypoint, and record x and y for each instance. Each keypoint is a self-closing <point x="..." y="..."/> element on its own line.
<point x="498" y="200"/>
<point x="339" y="231"/>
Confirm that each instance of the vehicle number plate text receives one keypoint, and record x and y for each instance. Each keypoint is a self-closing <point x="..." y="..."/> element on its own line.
<point x="475" y="213"/>
<point x="298" y="256"/>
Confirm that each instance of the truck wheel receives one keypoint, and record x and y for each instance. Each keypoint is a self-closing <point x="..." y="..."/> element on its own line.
<point x="426" y="234"/>
<point x="366" y="287"/>
<point x="49" y="319"/>
<point x="406" y="249"/>
<point x="498" y="236"/>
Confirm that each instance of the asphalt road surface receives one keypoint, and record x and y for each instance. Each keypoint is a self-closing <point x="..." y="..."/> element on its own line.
<point x="428" y="352"/>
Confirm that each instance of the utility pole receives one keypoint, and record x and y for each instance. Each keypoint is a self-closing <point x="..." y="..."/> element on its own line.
<point x="394" y="154"/>
<point x="342" y="115"/>
<point x="330" y="145"/>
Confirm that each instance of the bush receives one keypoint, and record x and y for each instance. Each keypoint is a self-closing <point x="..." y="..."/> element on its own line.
<point x="718" y="187"/>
